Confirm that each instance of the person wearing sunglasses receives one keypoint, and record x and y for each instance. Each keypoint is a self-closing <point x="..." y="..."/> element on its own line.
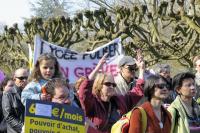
<point x="156" y="90"/>
<point x="184" y="109"/>
<point x="13" y="109"/>
<point x="126" y="78"/>
<point x="100" y="102"/>
<point x="164" y="70"/>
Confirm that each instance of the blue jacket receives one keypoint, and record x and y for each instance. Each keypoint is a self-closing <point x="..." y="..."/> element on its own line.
<point x="32" y="91"/>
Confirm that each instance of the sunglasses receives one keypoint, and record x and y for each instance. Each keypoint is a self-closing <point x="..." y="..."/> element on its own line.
<point x="131" y="68"/>
<point x="22" y="78"/>
<point x="109" y="84"/>
<point x="162" y="86"/>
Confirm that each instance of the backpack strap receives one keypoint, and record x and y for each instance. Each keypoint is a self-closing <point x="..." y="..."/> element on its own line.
<point x="144" y="119"/>
<point x="122" y="125"/>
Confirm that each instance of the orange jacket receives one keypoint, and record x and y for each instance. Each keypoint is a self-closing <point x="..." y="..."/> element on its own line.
<point x="152" y="120"/>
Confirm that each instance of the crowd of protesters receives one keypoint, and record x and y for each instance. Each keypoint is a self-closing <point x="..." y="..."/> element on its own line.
<point x="171" y="103"/>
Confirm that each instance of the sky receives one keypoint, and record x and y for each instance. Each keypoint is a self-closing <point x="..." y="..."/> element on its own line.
<point x="13" y="11"/>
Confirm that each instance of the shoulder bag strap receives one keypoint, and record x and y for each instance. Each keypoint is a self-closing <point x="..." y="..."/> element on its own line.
<point x="144" y="119"/>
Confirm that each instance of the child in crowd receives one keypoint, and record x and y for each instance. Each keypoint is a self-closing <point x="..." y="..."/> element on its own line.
<point x="59" y="91"/>
<point x="46" y="67"/>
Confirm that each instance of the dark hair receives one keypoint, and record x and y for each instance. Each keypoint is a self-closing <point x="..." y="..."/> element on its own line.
<point x="149" y="85"/>
<point x="36" y="74"/>
<point x="177" y="80"/>
<point x="4" y="82"/>
<point x="168" y="81"/>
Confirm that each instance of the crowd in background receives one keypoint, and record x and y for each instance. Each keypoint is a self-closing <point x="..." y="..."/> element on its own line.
<point x="171" y="103"/>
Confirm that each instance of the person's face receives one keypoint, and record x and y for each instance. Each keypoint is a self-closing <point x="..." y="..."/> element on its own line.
<point x="198" y="66"/>
<point x="128" y="71"/>
<point x="161" y="90"/>
<point x="20" y="78"/>
<point x="187" y="89"/>
<point x="47" y="68"/>
<point x="61" y="95"/>
<point x="107" y="90"/>
<point x="9" y="85"/>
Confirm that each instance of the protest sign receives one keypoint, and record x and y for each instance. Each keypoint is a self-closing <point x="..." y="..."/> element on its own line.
<point x="74" y="64"/>
<point x="48" y="117"/>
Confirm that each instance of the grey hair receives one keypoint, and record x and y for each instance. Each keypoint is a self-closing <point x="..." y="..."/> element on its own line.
<point x="163" y="68"/>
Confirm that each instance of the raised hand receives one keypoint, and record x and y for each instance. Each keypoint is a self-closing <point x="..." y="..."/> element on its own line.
<point x="140" y="63"/>
<point x="99" y="65"/>
<point x="139" y="55"/>
<point x="140" y="60"/>
<point x="101" y="61"/>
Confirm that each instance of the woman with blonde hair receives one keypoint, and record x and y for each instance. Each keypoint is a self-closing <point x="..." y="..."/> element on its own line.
<point x="98" y="99"/>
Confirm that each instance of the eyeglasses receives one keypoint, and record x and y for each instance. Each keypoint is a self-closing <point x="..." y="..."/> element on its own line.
<point x="162" y="86"/>
<point x="109" y="84"/>
<point x="22" y="78"/>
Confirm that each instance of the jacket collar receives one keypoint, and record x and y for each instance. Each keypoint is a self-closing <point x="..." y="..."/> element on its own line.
<point x="148" y="108"/>
<point x="42" y="82"/>
<point x="17" y="91"/>
<point x="180" y="109"/>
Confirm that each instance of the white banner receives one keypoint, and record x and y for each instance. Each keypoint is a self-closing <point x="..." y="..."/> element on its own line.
<point x="74" y="64"/>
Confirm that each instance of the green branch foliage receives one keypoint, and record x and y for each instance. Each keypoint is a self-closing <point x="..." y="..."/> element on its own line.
<point x="163" y="35"/>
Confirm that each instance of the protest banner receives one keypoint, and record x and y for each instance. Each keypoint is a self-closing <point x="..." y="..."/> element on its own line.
<point x="30" y="62"/>
<point x="48" y="117"/>
<point x="74" y="64"/>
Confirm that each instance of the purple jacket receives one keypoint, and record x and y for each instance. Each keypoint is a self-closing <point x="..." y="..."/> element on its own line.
<point x="95" y="109"/>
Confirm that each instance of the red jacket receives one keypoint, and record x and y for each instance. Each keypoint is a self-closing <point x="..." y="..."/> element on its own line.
<point x="152" y="120"/>
<point x="95" y="109"/>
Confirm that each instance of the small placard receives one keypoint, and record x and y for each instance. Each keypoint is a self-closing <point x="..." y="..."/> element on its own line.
<point x="43" y="110"/>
